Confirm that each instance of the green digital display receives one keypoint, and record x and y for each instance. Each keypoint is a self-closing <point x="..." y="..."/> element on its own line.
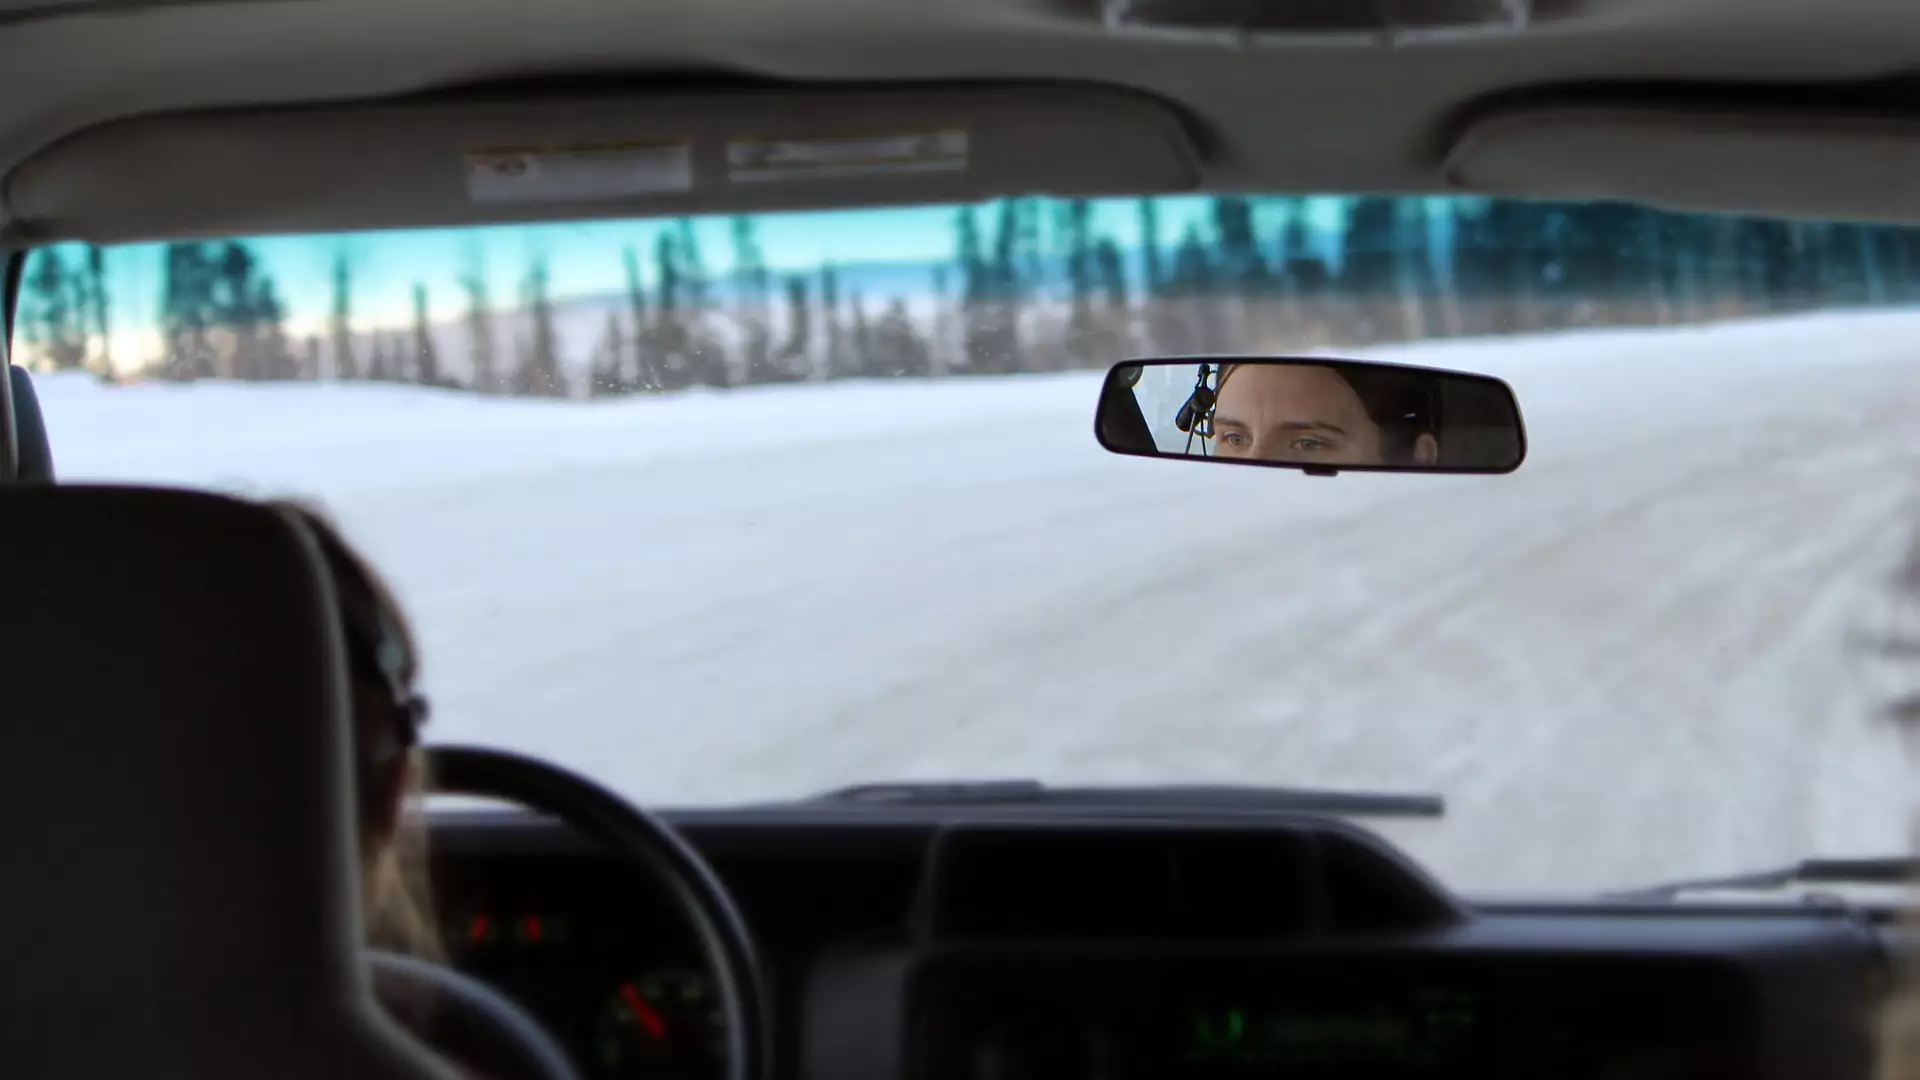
<point x="1427" y="1031"/>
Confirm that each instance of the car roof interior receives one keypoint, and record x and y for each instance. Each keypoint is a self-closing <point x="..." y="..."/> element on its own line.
<point x="279" y="115"/>
<point x="138" y="120"/>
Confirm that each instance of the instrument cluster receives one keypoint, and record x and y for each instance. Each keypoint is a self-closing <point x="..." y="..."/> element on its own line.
<point x="613" y="974"/>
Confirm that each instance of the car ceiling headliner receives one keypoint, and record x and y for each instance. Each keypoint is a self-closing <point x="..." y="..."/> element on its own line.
<point x="1312" y="117"/>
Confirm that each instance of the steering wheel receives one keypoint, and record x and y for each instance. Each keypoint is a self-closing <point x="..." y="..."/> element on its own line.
<point x="464" y="1020"/>
<point x="476" y="1023"/>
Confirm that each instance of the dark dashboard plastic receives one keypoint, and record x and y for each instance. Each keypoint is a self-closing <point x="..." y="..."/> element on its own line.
<point x="912" y="943"/>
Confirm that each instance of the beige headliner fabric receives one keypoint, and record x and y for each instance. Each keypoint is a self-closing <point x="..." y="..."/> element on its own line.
<point x="406" y="165"/>
<point x="1314" y="116"/>
<point x="1789" y="163"/>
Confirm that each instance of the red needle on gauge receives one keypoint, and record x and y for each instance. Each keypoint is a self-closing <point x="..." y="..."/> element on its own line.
<point x="644" y="1012"/>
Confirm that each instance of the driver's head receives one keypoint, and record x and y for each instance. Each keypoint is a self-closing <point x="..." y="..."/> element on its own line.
<point x="382" y="666"/>
<point x="1324" y="415"/>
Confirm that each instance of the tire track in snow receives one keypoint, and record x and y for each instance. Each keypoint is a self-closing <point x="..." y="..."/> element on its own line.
<point x="1633" y="767"/>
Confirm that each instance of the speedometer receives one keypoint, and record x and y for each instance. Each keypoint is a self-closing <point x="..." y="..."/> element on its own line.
<point x="662" y="1024"/>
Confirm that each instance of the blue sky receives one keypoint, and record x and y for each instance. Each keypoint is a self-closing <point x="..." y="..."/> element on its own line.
<point x="586" y="257"/>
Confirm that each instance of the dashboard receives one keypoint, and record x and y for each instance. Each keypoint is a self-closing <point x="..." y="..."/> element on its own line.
<point x="580" y="939"/>
<point x="594" y="954"/>
<point x="902" y="943"/>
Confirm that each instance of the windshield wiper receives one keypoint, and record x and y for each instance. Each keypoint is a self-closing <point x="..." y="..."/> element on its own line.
<point x="1151" y="798"/>
<point x="1880" y="870"/>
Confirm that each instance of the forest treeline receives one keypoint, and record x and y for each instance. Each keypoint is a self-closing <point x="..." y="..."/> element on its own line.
<point x="1032" y="285"/>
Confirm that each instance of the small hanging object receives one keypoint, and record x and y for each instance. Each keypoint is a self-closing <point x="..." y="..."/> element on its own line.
<point x="1196" y="414"/>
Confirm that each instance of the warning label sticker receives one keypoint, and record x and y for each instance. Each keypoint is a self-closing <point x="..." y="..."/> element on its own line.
<point x="761" y="161"/>
<point x="580" y="173"/>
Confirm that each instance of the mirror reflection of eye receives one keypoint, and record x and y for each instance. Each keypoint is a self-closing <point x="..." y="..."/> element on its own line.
<point x="1283" y="418"/>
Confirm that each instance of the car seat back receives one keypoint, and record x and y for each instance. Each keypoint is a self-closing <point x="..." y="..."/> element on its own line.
<point x="180" y="864"/>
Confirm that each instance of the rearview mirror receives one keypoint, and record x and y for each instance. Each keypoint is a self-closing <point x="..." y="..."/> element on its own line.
<point x="1319" y="415"/>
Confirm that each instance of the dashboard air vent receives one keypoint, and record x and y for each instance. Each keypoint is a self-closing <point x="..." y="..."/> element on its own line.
<point x="1090" y="881"/>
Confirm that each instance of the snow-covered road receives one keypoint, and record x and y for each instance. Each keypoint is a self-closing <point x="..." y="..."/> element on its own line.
<point x="1629" y="661"/>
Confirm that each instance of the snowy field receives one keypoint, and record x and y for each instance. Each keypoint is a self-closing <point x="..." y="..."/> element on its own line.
<point x="1634" y="659"/>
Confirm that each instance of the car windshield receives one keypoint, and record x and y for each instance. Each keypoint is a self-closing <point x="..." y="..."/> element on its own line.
<point x="725" y="510"/>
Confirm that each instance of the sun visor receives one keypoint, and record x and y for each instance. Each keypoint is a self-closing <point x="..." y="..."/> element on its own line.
<point x="464" y="163"/>
<point x="1788" y="164"/>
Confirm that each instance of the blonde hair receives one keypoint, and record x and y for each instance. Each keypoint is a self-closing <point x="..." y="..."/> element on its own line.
<point x="1897" y="1035"/>
<point x="396" y="886"/>
<point x="399" y="894"/>
<point x="1896" y="1024"/>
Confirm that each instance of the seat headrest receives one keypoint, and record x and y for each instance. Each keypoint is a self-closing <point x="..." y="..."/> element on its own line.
<point x="33" y="453"/>
<point x="180" y="864"/>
